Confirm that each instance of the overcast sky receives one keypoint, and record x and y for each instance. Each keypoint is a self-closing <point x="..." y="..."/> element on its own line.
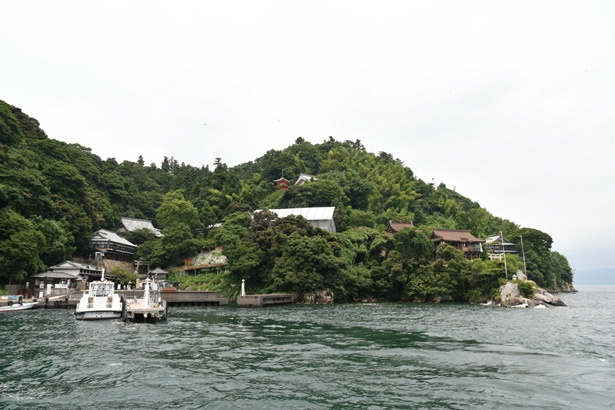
<point x="509" y="102"/>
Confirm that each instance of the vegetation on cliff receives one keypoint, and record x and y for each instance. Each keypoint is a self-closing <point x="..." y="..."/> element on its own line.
<point x="53" y="195"/>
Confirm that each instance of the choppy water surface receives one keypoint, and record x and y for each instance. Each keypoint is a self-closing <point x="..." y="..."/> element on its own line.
<point x="367" y="356"/>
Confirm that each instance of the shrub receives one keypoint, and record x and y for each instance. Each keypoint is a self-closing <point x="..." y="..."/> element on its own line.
<point x="526" y="288"/>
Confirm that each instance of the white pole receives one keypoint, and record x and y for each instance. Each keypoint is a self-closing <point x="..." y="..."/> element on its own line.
<point x="504" y="252"/>
<point x="523" y="254"/>
<point x="243" y="287"/>
<point x="146" y="293"/>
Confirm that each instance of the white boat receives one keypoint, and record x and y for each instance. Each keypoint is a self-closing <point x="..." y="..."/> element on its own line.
<point x="15" y="307"/>
<point x="100" y="301"/>
<point x="149" y="308"/>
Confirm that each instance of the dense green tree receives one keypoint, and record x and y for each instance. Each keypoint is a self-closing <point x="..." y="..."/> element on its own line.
<point x="140" y="236"/>
<point x="176" y="209"/>
<point x="176" y="245"/>
<point x="59" y="243"/>
<point x="10" y="129"/>
<point x="20" y="247"/>
<point x="306" y="264"/>
<point x="439" y="280"/>
<point x="537" y="250"/>
<point x="413" y="244"/>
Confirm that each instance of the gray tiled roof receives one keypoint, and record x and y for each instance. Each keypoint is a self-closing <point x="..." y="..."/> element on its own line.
<point x="134" y="224"/>
<point x="112" y="236"/>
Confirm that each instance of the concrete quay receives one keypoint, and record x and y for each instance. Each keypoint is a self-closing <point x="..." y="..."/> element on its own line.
<point x="175" y="298"/>
<point x="265" y="300"/>
<point x="193" y="298"/>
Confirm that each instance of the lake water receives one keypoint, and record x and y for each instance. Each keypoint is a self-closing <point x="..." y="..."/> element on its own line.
<point x="355" y="356"/>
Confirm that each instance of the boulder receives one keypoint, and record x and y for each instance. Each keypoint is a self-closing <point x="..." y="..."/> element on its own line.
<point x="322" y="297"/>
<point x="510" y="296"/>
<point x="521" y="275"/>
<point x="543" y="296"/>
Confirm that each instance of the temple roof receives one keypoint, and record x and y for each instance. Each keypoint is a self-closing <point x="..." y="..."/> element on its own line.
<point x="455" y="235"/>
<point x="56" y="275"/>
<point x="111" y="236"/>
<point x="398" y="226"/>
<point x="134" y="224"/>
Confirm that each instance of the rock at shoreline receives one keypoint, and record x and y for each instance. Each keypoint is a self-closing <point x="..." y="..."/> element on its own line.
<point x="511" y="296"/>
<point x="544" y="296"/>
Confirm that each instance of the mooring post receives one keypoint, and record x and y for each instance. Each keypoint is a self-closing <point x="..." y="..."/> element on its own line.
<point x="243" y="287"/>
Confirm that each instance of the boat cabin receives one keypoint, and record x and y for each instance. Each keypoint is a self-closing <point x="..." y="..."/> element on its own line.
<point x="105" y="288"/>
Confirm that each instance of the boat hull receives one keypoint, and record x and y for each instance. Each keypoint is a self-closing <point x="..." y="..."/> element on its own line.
<point x="98" y="315"/>
<point x="100" y="302"/>
<point x="17" y="307"/>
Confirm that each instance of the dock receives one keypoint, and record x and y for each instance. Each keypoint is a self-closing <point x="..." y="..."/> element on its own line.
<point x="265" y="300"/>
<point x="194" y="298"/>
<point x="179" y="298"/>
<point x="175" y="298"/>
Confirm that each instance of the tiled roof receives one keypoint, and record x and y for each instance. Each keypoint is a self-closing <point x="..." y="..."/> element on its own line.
<point x="497" y="239"/>
<point x="398" y="226"/>
<point x="57" y="275"/>
<point x="72" y="265"/>
<point x="455" y="235"/>
<point x="111" y="236"/>
<point x="134" y="224"/>
<point x="305" y="178"/>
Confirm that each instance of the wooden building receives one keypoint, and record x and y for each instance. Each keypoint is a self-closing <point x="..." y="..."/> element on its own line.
<point x="459" y="239"/>
<point x="86" y="271"/>
<point x="158" y="274"/>
<point x="395" y="227"/>
<point x="281" y="183"/>
<point x="496" y="246"/>
<point x="55" y="283"/>
<point x="318" y="217"/>
<point x="112" y="246"/>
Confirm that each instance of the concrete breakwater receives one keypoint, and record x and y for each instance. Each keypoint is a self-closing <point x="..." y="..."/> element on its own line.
<point x="265" y="300"/>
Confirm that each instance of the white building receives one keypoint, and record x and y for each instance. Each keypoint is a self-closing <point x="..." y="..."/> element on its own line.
<point x="318" y="217"/>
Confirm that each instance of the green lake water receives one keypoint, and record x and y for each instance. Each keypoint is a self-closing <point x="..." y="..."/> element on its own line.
<point x="353" y="356"/>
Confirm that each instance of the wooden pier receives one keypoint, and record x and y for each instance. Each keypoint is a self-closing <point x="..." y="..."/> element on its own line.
<point x="265" y="300"/>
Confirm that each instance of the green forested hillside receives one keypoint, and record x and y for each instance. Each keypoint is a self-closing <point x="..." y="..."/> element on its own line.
<point x="53" y="195"/>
